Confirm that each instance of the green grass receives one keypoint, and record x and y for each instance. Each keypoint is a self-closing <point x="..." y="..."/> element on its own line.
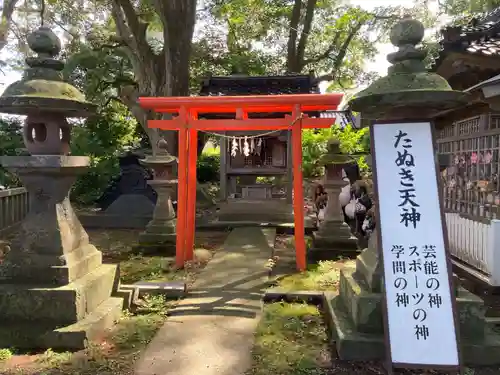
<point x="290" y="340"/>
<point x="5" y="355"/>
<point x="114" y="355"/>
<point x="118" y="246"/>
<point x="322" y="277"/>
<point x="144" y="268"/>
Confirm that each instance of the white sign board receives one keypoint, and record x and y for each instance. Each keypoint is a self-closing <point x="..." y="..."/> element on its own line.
<point x="419" y="301"/>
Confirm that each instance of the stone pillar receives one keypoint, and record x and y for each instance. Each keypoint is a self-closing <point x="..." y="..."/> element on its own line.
<point x="54" y="290"/>
<point x="333" y="237"/>
<point x="160" y="233"/>
<point x="407" y="92"/>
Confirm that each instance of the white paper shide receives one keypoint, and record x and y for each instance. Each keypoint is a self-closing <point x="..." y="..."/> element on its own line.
<point x="420" y="314"/>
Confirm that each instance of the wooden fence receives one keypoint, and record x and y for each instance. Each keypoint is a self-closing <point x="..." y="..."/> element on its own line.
<point x="475" y="245"/>
<point x="13" y="207"/>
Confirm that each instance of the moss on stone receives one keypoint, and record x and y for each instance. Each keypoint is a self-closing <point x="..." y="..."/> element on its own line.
<point x="45" y="89"/>
<point x="406" y="82"/>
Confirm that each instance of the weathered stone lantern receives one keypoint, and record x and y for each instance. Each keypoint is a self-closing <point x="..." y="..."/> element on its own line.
<point x="54" y="290"/>
<point x="334" y="235"/>
<point x="160" y="233"/>
<point x="408" y="92"/>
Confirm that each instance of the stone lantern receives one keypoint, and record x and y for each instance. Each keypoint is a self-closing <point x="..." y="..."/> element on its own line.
<point x="408" y="92"/>
<point x="54" y="290"/>
<point x="160" y="233"/>
<point x="334" y="235"/>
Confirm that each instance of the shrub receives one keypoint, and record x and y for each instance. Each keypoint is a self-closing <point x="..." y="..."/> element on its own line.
<point x="208" y="168"/>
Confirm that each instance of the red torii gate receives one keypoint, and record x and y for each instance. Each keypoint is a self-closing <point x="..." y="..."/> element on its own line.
<point x="186" y="111"/>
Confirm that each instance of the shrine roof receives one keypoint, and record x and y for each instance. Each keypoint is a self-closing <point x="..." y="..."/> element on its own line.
<point x="480" y="36"/>
<point x="259" y="85"/>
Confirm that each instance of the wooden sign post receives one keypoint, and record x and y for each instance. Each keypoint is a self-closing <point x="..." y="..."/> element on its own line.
<point x="419" y="303"/>
<point x="420" y="321"/>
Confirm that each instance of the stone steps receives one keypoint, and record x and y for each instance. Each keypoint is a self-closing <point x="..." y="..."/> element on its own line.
<point x="71" y="337"/>
<point x="82" y="261"/>
<point x="53" y="269"/>
<point x="65" y="305"/>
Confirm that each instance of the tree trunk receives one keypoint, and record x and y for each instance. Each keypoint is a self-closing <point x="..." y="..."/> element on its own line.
<point x="163" y="74"/>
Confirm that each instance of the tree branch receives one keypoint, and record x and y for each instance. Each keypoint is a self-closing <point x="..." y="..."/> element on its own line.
<point x="327" y="52"/>
<point x="122" y="28"/>
<point x="8" y="10"/>
<point x="304" y="36"/>
<point x="137" y="28"/>
<point x="339" y="58"/>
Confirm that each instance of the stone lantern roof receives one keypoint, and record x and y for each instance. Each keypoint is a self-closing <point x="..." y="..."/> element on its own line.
<point x="42" y="87"/>
<point x="334" y="155"/>
<point x="408" y="87"/>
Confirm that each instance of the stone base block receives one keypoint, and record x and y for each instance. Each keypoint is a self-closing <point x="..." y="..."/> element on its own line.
<point x="349" y="343"/>
<point x="353" y="345"/>
<point x="49" y="269"/>
<point x="64" y="317"/>
<point x="363" y="308"/>
<point x="358" y="333"/>
<point x="264" y="211"/>
<point x="59" y="305"/>
<point x="32" y="334"/>
<point x="329" y="247"/>
<point x="157" y="243"/>
<point x="484" y="353"/>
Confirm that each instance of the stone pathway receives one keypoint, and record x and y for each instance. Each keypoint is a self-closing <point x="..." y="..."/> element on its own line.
<point x="212" y="331"/>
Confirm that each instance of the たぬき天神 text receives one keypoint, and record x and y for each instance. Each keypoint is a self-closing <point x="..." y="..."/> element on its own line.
<point x="405" y="160"/>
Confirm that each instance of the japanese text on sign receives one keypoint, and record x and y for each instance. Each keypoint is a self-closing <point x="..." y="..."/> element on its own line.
<point x="405" y="161"/>
<point x="416" y="275"/>
<point x="420" y="271"/>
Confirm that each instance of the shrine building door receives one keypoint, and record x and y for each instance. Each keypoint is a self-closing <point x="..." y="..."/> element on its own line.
<point x="185" y="111"/>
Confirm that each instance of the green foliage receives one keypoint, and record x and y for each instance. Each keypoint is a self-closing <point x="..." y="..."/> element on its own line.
<point x="463" y="9"/>
<point x="314" y="146"/>
<point x="5" y="354"/>
<point x="103" y="138"/>
<point x="208" y="168"/>
<point x="11" y="143"/>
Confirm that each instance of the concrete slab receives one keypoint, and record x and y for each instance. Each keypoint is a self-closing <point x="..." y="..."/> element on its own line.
<point x="212" y="331"/>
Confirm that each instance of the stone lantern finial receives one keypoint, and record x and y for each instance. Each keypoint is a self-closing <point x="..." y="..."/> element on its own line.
<point x="45" y="97"/>
<point x="42" y="87"/>
<point x="408" y="90"/>
<point x="334" y="155"/>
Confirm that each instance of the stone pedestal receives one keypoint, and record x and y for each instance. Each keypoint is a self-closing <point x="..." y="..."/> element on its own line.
<point x="273" y="210"/>
<point x="334" y="236"/>
<point x="160" y="233"/>
<point x="54" y="290"/>
<point x="356" y="313"/>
